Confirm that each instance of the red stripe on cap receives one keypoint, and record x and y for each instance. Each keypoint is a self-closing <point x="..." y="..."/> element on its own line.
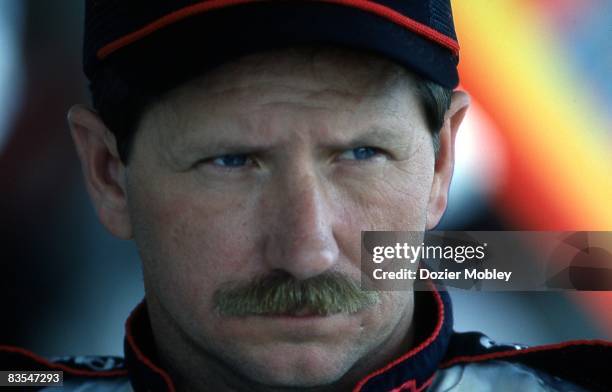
<point x="365" y="5"/>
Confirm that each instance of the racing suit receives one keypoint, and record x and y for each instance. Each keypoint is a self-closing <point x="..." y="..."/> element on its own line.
<point x="441" y="360"/>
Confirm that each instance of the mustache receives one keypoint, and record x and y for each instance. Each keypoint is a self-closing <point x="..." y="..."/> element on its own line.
<point x="281" y="293"/>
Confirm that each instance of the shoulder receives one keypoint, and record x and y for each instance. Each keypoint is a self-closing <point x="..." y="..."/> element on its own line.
<point x="573" y="365"/>
<point x="494" y="375"/>
<point x="82" y="373"/>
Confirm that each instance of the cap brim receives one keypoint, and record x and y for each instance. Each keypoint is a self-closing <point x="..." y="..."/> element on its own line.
<point x="192" y="45"/>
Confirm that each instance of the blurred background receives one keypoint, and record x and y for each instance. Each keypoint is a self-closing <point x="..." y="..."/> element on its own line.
<point x="534" y="154"/>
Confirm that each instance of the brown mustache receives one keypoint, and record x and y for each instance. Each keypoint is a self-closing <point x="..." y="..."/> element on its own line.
<point x="276" y="294"/>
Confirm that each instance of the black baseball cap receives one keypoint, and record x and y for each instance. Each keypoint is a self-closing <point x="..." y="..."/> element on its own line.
<point x="148" y="40"/>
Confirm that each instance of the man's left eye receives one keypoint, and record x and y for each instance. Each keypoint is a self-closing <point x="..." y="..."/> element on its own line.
<point x="231" y="160"/>
<point x="360" y="153"/>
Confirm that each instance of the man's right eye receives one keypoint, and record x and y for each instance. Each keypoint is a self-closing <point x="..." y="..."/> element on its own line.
<point x="231" y="160"/>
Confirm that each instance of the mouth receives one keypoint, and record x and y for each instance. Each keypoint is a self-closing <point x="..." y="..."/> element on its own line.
<point x="301" y="313"/>
<point x="297" y="324"/>
<point x="306" y="315"/>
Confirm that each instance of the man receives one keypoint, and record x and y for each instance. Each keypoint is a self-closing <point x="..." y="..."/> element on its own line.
<point x="244" y="146"/>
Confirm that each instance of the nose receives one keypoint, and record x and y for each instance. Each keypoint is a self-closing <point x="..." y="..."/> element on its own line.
<point x="301" y="239"/>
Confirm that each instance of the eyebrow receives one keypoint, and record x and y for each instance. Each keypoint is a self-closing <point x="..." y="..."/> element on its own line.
<point x="374" y="135"/>
<point x="193" y="150"/>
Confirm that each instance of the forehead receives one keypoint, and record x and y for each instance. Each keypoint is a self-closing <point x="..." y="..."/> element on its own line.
<point x="343" y="69"/>
<point x="315" y="82"/>
<point x="322" y="68"/>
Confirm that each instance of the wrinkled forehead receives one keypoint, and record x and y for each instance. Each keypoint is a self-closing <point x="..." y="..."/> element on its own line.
<point x="319" y="88"/>
<point x="314" y="68"/>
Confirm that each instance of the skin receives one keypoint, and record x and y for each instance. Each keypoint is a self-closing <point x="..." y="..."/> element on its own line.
<point x="294" y="198"/>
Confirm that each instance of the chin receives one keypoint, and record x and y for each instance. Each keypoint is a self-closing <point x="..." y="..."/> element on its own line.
<point x="297" y="366"/>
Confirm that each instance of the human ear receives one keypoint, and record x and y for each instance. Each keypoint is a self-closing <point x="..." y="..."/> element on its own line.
<point x="445" y="161"/>
<point x="103" y="170"/>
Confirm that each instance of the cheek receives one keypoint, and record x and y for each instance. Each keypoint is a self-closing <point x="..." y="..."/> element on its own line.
<point x="393" y="307"/>
<point x="190" y="243"/>
<point x="394" y="198"/>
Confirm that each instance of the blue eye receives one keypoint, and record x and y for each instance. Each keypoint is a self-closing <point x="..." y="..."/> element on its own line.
<point x="360" y="153"/>
<point x="231" y="160"/>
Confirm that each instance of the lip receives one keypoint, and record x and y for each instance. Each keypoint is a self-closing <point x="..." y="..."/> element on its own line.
<point x="302" y="313"/>
<point x="294" y="326"/>
<point x="305" y="316"/>
<point x="308" y="323"/>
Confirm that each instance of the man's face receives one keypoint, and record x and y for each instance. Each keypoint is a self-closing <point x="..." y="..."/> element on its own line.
<point x="274" y="165"/>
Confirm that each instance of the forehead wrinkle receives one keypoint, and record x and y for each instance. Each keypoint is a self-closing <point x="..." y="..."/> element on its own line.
<point x="343" y="68"/>
<point x="303" y="69"/>
<point x="340" y="70"/>
<point x="382" y="90"/>
<point x="260" y="129"/>
<point x="277" y="92"/>
<point x="256" y="111"/>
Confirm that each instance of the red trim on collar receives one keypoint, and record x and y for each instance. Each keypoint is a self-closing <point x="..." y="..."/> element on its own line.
<point x="139" y="354"/>
<point x="410" y="386"/>
<point x="364" y="5"/>
<point x="58" y="366"/>
<point x="415" y="350"/>
<point x="512" y="353"/>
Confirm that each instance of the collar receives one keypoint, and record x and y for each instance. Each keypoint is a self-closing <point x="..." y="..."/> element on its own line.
<point x="412" y="372"/>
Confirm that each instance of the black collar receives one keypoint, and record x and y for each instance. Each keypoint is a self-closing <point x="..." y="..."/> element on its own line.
<point x="413" y="371"/>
